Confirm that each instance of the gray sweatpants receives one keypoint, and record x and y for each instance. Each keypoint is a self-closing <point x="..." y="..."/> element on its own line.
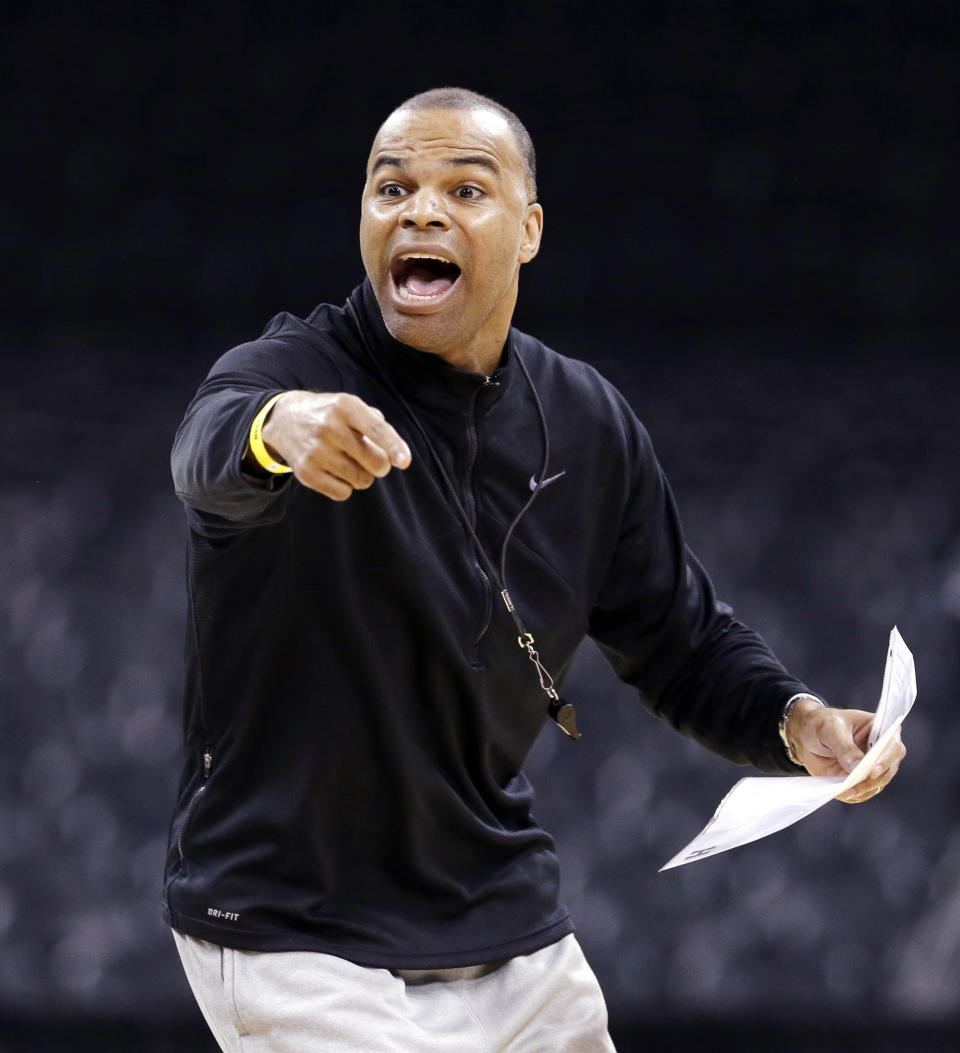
<point x="307" y="1002"/>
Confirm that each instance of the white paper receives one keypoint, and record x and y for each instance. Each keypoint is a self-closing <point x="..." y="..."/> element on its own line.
<point x="759" y="806"/>
<point x="899" y="687"/>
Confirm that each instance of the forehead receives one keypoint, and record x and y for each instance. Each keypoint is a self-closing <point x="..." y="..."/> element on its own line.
<point x="412" y="133"/>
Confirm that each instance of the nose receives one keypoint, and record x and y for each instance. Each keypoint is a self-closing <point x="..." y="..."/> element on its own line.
<point x="423" y="209"/>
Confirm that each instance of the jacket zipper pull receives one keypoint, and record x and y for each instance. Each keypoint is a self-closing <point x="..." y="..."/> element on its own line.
<point x="207" y="761"/>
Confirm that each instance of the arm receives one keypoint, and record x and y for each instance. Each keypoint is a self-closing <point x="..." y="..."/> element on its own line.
<point x="711" y="677"/>
<point x="334" y="442"/>
<point x="658" y="622"/>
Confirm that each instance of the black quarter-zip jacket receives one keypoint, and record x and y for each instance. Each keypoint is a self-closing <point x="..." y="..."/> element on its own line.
<point x="357" y="709"/>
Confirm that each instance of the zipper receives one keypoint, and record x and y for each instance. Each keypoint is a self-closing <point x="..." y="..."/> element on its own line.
<point x="473" y="447"/>
<point x="195" y="799"/>
<point x="488" y="608"/>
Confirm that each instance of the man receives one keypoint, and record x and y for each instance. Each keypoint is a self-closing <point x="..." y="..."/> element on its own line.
<point x="384" y="500"/>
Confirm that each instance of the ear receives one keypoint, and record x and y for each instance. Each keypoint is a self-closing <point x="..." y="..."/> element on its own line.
<point x="532" y="233"/>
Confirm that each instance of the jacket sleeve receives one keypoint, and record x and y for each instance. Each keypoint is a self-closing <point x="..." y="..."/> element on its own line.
<point x="657" y="620"/>
<point x="208" y="450"/>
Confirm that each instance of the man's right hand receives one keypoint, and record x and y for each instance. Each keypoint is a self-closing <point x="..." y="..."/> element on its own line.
<point x="335" y="443"/>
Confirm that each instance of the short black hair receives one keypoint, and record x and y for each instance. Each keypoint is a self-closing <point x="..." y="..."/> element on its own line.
<point x="465" y="99"/>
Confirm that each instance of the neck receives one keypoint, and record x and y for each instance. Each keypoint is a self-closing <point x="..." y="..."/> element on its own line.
<point x="483" y="351"/>
<point x="476" y="360"/>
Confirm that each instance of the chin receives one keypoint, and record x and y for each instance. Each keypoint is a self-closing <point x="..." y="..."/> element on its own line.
<point x="421" y="333"/>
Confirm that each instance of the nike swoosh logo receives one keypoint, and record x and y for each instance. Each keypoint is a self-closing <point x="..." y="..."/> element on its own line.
<point x="546" y="482"/>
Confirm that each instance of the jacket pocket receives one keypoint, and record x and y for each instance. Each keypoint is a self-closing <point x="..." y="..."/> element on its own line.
<point x="194" y="801"/>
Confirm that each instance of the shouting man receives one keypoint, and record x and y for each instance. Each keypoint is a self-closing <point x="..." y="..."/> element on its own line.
<point x="404" y="516"/>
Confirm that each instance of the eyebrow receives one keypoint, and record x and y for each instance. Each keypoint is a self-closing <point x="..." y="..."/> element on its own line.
<point x="475" y="159"/>
<point x="380" y="162"/>
<point x="471" y="159"/>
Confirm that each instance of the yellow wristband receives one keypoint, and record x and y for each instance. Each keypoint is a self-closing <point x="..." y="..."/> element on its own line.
<point x="257" y="447"/>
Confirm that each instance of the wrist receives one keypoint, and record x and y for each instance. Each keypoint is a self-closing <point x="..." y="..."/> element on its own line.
<point x="263" y="456"/>
<point x="797" y="708"/>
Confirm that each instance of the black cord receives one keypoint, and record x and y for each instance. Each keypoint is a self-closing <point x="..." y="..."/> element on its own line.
<point x="562" y="712"/>
<point x="543" y="470"/>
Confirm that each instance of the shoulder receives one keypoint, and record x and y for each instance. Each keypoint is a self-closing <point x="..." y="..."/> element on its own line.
<point x="294" y="352"/>
<point x="576" y="388"/>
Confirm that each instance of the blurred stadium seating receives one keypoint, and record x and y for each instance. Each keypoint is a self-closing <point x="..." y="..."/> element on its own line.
<point x="751" y="228"/>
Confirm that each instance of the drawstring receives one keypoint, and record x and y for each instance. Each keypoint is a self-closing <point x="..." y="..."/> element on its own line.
<point x="560" y="711"/>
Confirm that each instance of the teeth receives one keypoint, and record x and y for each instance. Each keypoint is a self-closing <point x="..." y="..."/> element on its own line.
<point x="423" y="256"/>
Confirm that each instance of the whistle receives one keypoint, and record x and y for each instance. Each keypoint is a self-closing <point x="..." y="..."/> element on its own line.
<point x="565" y="716"/>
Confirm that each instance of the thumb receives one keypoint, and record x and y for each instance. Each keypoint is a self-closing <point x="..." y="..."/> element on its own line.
<point x="835" y="736"/>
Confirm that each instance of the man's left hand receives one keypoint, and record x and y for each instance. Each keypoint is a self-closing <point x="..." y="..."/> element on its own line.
<point x="833" y="741"/>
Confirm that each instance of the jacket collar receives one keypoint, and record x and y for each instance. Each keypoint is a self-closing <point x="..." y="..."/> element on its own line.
<point x="420" y="376"/>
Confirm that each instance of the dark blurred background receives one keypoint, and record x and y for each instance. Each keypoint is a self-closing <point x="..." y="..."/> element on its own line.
<point x="752" y="228"/>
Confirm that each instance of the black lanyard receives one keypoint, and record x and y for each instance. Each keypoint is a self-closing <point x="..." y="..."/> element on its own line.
<point x="562" y="712"/>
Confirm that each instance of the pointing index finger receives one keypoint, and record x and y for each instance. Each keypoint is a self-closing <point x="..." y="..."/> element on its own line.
<point x="376" y="432"/>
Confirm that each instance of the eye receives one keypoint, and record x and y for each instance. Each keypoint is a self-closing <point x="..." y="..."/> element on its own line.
<point x="391" y="190"/>
<point x="469" y="193"/>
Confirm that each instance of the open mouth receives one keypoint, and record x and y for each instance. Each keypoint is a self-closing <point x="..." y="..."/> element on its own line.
<point x="421" y="278"/>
